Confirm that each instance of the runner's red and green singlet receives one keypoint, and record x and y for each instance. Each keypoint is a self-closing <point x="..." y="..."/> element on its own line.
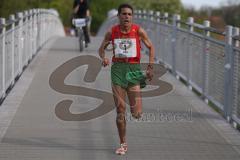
<point x="126" y="46"/>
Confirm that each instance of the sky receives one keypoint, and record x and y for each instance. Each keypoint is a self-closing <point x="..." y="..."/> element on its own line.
<point x="198" y="3"/>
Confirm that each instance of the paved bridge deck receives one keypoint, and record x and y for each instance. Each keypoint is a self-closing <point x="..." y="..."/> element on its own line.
<point x="36" y="124"/>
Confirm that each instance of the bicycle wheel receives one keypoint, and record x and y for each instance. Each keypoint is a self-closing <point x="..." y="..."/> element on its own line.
<point x="81" y="39"/>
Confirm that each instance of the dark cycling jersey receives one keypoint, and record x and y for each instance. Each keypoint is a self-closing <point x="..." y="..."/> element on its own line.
<point x="82" y="11"/>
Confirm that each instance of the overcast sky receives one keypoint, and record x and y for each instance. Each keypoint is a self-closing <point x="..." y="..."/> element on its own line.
<point x="198" y="3"/>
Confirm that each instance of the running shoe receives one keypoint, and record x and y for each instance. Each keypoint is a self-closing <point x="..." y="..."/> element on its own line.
<point x="122" y="149"/>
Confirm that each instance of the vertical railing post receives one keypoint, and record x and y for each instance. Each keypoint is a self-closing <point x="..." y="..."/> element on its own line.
<point x="3" y="32"/>
<point x="178" y="18"/>
<point x="43" y="26"/>
<point x="166" y="18"/>
<point x="236" y="33"/>
<point x="12" y="42"/>
<point x="144" y="22"/>
<point x="20" y="41"/>
<point x="46" y="31"/>
<point x="34" y="31"/>
<point x="235" y="72"/>
<point x="144" y="14"/>
<point x="151" y="17"/>
<point x="139" y="14"/>
<point x="205" y="52"/>
<point x="165" y="50"/>
<point x="190" y="22"/>
<point x="30" y="12"/>
<point x="158" y="18"/>
<point x="227" y="73"/>
<point x="38" y="29"/>
<point x="26" y="38"/>
<point x="178" y="25"/>
<point x="47" y="27"/>
<point x="135" y="14"/>
<point x="158" y="36"/>
<point x="175" y="25"/>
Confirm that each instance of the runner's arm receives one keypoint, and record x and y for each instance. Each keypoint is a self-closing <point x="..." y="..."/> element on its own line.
<point x="104" y="44"/>
<point x="101" y="50"/>
<point x="144" y="37"/>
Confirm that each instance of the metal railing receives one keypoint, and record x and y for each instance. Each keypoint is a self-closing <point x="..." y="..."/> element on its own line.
<point x="21" y="36"/>
<point x="207" y="59"/>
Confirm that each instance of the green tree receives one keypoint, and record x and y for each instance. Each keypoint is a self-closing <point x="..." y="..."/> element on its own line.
<point x="8" y="7"/>
<point x="170" y="6"/>
<point x="231" y="15"/>
<point x="64" y="8"/>
<point x="99" y="11"/>
<point x="98" y="8"/>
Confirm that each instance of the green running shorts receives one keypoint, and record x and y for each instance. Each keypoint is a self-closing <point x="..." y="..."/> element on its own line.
<point x="127" y="75"/>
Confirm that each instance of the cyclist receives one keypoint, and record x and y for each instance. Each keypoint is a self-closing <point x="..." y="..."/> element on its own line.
<point x="81" y="10"/>
<point x="127" y="78"/>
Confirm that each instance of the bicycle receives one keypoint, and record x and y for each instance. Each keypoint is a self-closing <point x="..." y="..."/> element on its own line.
<point x="79" y="23"/>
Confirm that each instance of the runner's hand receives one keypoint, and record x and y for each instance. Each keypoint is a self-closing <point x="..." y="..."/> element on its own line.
<point x="149" y="72"/>
<point x="105" y="62"/>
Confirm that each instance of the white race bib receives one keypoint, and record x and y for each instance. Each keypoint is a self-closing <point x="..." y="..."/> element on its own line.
<point x="125" y="48"/>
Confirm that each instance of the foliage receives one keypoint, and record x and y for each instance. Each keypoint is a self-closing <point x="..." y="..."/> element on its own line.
<point x="231" y="15"/>
<point x="99" y="8"/>
<point x="8" y="7"/>
<point x="170" y="6"/>
<point x="99" y="11"/>
<point x="64" y="8"/>
<point x="229" y="12"/>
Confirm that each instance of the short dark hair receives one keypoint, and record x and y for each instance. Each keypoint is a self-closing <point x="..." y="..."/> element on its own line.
<point x="125" y="5"/>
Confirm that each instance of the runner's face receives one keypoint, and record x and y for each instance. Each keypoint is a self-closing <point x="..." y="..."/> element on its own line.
<point x="125" y="16"/>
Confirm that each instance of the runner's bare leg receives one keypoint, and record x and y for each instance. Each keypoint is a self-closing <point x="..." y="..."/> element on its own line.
<point x="119" y="95"/>
<point x="135" y="100"/>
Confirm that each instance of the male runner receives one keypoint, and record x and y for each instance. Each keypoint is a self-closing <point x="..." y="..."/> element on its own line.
<point x="126" y="75"/>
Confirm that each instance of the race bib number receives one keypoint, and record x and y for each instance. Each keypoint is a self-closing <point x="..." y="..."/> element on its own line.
<point x="125" y="48"/>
